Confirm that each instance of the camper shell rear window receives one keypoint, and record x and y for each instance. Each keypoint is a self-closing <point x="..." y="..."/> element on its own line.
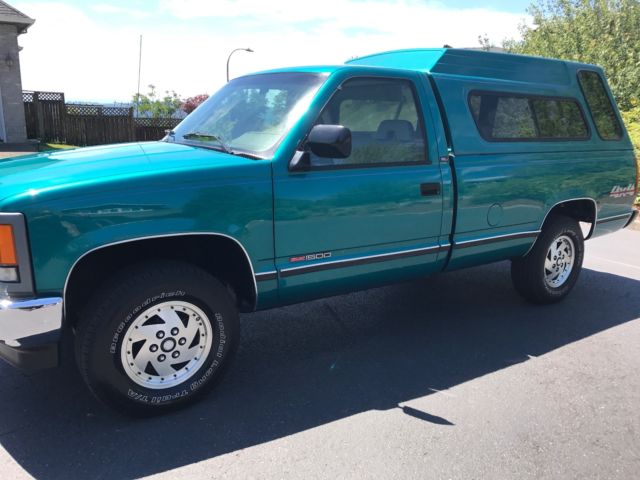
<point x="602" y="110"/>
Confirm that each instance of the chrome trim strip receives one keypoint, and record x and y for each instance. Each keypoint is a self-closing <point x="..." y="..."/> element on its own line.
<point x="352" y="262"/>
<point x="150" y="237"/>
<point x="615" y="217"/>
<point x="263" y="276"/>
<point x="21" y="319"/>
<point x="497" y="238"/>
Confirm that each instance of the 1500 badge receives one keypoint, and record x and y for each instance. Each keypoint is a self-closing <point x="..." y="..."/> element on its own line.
<point x="311" y="256"/>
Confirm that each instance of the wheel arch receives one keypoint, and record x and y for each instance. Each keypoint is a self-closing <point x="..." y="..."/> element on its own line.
<point x="219" y="254"/>
<point x="581" y="209"/>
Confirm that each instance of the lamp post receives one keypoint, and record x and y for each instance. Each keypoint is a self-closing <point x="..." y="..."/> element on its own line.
<point x="229" y="58"/>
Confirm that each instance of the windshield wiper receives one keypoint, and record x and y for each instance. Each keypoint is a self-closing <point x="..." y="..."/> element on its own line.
<point x="208" y="137"/>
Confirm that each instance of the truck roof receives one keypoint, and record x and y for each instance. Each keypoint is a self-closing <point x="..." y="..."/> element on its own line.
<point x="465" y="63"/>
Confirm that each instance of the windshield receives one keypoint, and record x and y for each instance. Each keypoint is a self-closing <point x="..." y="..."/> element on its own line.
<point x="250" y="114"/>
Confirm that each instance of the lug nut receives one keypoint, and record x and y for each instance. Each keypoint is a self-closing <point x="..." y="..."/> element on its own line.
<point x="175" y="354"/>
<point x="160" y="334"/>
<point x="162" y="357"/>
<point x="182" y="341"/>
<point x="153" y="348"/>
<point x="174" y="331"/>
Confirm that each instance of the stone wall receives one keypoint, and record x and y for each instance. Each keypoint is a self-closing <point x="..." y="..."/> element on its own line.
<point x="11" y="86"/>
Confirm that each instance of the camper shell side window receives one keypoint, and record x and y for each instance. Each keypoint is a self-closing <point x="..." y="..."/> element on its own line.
<point x="509" y="117"/>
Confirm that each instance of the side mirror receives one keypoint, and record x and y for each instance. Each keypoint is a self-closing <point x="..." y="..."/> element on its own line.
<point x="330" y="141"/>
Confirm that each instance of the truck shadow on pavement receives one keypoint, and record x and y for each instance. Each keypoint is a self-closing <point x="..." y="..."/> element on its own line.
<point x="303" y="366"/>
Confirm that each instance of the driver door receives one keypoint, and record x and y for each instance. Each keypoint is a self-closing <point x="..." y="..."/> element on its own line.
<point x="373" y="217"/>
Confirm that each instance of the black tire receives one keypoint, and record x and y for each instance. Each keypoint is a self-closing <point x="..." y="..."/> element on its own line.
<point x="112" y="313"/>
<point x="529" y="274"/>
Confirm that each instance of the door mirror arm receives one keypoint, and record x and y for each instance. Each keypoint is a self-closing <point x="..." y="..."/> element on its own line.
<point x="300" y="162"/>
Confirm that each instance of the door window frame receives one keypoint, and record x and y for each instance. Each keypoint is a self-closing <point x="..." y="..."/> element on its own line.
<point x="421" y="125"/>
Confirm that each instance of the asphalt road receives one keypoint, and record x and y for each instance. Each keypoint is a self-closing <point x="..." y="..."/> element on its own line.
<point x="449" y="377"/>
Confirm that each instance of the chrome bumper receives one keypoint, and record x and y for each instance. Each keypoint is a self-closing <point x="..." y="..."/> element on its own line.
<point x="29" y="331"/>
<point x="22" y="319"/>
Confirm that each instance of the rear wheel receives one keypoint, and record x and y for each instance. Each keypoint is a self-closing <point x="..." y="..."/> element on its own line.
<point x="550" y="270"/>
<point x="156" y="336"/>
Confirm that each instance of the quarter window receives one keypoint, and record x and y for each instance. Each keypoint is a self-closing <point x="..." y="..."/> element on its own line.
<point x="505" y="117"/>
<point x="602" y="110"/>
<point x="384" y="120"/>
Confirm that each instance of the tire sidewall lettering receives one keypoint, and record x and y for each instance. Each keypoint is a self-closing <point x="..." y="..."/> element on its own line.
<point x="215" y="359"/>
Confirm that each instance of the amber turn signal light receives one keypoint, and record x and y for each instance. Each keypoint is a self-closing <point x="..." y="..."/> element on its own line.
<point x="7" y="246"/>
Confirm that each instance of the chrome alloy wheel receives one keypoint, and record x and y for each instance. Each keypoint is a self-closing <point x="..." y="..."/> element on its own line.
<point x="559" y="261"/>
<point x="166" y="344"/>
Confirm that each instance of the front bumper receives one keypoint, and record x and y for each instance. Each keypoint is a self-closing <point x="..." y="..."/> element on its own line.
<point x="29" y="331"/>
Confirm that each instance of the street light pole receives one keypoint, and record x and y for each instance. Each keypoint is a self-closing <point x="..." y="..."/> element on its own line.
<point x="229" y="58"/>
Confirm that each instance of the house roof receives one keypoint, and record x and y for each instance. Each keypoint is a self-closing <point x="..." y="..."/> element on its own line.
<point x="12" y="16"/>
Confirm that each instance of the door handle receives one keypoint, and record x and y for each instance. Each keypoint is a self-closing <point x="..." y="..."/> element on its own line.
<point x="429" y="189"/>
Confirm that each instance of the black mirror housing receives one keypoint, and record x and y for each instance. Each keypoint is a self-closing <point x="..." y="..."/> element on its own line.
<point x="330" y="141"/>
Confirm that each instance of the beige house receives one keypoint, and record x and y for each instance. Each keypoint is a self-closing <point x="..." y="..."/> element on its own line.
<point x="12" y="123"/>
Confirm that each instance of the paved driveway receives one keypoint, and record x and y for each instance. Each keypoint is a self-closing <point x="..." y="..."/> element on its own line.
<point x="449" y="377"/>
<point x="12" y="154"/>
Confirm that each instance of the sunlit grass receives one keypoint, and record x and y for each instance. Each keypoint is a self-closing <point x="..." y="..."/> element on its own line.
<point x="45" y="147"/>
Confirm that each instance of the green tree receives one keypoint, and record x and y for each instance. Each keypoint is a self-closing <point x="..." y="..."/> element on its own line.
<point x="603" y="32"/>
<point x="154" y="106"/>
<point x="485" y="43"/>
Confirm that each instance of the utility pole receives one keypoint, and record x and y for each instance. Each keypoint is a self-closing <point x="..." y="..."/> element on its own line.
<point x="139" y="71"/>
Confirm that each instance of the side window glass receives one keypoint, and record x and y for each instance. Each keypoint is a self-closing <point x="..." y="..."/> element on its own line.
<point x="505" y="117"/>
<point x="602" y="110"/>
<point x="513" y="119"/>
<point x="384" y="120"/>
<point x="559" y="119"/>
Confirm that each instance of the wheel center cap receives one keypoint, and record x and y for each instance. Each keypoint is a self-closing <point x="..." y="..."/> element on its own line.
<point x="168" y="345"/>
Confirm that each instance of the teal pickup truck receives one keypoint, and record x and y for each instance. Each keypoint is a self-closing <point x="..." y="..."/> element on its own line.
<point x="301" y="183"/>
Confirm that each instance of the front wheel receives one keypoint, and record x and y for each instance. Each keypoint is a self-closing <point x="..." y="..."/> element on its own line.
<point x="550" y="270"/>
<point x="156" y="336"/>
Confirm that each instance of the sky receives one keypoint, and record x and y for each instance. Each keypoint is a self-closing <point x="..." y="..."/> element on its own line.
<point x="89" y="50"/>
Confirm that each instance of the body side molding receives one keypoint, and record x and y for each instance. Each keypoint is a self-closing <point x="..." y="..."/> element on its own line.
<point x="352" y="262"/>
<point x="497" y="238"/>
